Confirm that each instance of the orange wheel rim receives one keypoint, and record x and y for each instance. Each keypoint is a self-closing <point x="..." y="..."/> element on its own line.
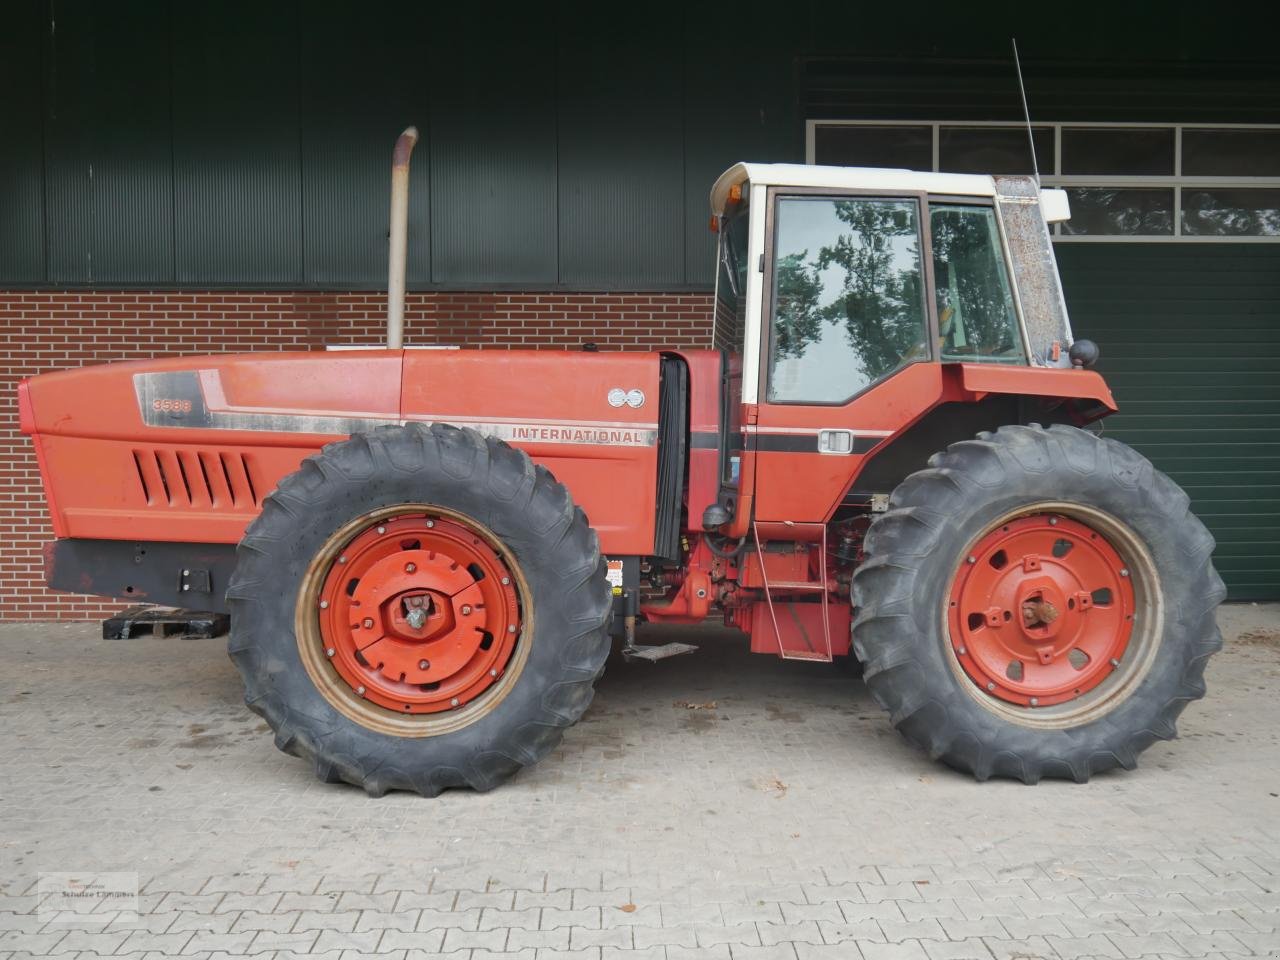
<point x="418" y="614"/>
<point x="1041" y="611"/>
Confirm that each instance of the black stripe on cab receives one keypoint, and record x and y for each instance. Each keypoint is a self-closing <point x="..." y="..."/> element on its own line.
<point x="803" y="443"/>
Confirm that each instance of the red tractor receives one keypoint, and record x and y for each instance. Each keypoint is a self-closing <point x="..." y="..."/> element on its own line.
<point x="426" y="555"/>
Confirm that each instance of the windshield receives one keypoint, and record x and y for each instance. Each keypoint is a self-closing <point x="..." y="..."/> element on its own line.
<point x="731" y="282"/>
<point x="977" y="321"/>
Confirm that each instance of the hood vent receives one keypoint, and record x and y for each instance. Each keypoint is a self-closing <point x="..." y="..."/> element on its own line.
<point x="199" y="479"/>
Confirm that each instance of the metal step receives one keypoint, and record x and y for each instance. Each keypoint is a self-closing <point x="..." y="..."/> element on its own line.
<point x="818" y="586"/>
<point x="659" y="651"/>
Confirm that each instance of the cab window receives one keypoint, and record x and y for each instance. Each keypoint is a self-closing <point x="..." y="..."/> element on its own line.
<point x="848" y="296"/>
<point x="731" y="282"/>
<point x="977" y="321"/>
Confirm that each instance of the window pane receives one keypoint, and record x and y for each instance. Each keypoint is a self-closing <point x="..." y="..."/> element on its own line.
<point x="1118" y="151"/>
<point x="848" y="298"/>
<point x="1231" y="153"/>
<point x="993" y="149"/>
<point x="731" y="283"/>
<point x="1137" y="211"/>
<point x="976" y="316"/>
<point x="857" y="146"/>
<point x="1216" y="212"/>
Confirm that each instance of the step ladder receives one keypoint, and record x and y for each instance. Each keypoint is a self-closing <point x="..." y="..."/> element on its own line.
<point x="821" y="653"/>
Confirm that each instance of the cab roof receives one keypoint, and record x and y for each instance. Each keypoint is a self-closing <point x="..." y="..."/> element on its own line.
<point x="848" y="178"/>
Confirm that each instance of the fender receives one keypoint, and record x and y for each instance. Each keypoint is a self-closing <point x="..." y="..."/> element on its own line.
<point x="978" y="380"/>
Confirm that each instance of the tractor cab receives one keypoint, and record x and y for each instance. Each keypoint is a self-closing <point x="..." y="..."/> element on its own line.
<point x="853" y="301"/>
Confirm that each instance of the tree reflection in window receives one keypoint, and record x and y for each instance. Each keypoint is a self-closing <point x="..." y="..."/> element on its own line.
<point x="976" y="316"/>
<point x="848" y="306"/>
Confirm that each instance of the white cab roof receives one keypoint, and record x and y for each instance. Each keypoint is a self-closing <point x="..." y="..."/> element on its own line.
<point x="848" y="178"/>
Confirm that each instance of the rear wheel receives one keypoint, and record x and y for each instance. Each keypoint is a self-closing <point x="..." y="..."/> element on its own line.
<point x="1072" y="613"/>
<point x="419" y="608"/>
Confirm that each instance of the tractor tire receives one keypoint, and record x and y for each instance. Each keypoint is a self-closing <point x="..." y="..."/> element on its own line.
<point x="419" y="608"/>
<point x="1036" y="603"/>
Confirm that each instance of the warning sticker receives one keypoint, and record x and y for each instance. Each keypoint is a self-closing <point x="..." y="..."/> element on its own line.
<point x="615" y="575"/>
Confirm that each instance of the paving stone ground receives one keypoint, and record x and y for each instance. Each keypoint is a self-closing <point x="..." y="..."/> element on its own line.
<point x="720" y="805"/>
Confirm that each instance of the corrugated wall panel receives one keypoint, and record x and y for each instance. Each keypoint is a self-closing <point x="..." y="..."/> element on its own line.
<point x="621" y="195"/>
<point x="237" y="182"/>
<point x="22" y="68"/>
<point x="493" y="147"/>
<point x="69" y="145"/>
<point x="364" y="79"/>
<point x="1191" y="349"/>
<point x="740" y="107"/>
<point x="1182" y="66"/>
<point x="1075" y="90"/>
<point x="132" y="185"/>
<point x="109" y="153"/>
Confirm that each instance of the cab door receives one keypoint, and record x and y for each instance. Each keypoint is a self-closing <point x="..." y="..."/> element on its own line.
<point x="849" y="342"/>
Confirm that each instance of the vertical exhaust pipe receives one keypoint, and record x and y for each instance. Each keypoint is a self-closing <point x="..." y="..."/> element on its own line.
<point x="397" y="253"/>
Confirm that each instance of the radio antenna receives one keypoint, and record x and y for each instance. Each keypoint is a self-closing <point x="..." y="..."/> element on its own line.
<point x="1026" y="111"/>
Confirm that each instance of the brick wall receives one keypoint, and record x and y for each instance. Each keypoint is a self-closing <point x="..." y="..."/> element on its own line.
<point x="54" y="330"/>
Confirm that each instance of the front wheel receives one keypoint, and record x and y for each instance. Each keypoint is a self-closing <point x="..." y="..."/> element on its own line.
<point x="1038" y="602"/>
<point x="419" y="608"/>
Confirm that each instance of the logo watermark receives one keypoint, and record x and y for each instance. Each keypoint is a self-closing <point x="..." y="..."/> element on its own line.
<point x="87" y="897"/>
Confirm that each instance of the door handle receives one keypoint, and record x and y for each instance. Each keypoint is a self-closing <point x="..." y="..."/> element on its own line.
<point x="835" y="441"/>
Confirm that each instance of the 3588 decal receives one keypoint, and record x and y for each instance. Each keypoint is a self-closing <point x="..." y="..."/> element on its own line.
<point x="167" y="405"/>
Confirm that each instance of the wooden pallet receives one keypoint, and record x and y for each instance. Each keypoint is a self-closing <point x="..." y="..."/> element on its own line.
<point x="143" y="620"/>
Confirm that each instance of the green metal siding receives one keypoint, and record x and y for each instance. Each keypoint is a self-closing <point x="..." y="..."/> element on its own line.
<point x="22" y="220"/>
<point x="237" y="183"/>
<point x="248" y="144"/>
<point x="364" y="78"/>
<point x="738" y="107"/>
<point x="1191" y="348"/>
<point x="621" y="152"/>
<point x="564" y="144"/>
<point x="108" y="146"/>
<point x="494" y="189"/>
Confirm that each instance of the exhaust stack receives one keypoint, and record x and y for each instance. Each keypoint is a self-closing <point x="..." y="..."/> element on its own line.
<point x="399" y="236"/>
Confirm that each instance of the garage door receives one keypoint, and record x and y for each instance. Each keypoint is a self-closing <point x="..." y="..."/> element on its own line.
<point x="1190" y="339"/>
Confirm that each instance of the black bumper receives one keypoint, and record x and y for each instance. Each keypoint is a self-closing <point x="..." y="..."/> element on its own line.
<point x="190" y="575"/>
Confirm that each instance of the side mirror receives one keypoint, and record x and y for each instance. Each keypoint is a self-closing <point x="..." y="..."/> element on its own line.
<point x="1083" y="353"/>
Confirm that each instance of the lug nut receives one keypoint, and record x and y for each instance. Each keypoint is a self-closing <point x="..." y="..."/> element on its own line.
<point x="424" y="664"/>
<point x="368" y="623"/>
<point x="329" y="652"/>
<point x="430" y="524"/>
<point x="506" y="581"/>
<point x="466" y="609"/>
<point x="410" y="568"/>
<point x="1035" y="701"/>
<point x="324" y="604"/>
<point x="1124" y="571"/>
<point x="382" y="529"/>
<point x="964" y="652"/>
<point x="511" y="628"/>
<point x="493" y="673"/>
<point x="1115" y="662"/>
<point x="971" y="560"/>
<point x="453" y="702"/>
<point x="1053" y="521"/>
<point x="343" y="558"/>
<point x="360" y="690"/>
<point x="991" y="686"/>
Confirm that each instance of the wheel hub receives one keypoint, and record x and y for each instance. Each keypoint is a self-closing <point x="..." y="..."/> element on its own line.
<point x="418" y="614"/>
<point x="1041" y="611"/>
